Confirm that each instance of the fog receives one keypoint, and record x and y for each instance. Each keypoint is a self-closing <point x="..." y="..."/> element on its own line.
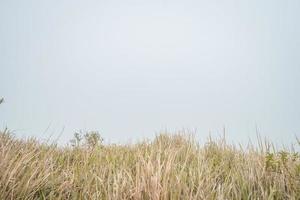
<point x="130" y="69"/>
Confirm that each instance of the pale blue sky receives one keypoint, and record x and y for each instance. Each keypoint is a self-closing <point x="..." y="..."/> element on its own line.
<point x="132" y="68"/>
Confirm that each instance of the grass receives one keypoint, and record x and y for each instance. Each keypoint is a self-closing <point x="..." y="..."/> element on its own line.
<point x="169" y="167"/>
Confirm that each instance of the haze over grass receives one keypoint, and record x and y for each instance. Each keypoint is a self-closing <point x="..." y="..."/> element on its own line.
<point x="169" y="167"/>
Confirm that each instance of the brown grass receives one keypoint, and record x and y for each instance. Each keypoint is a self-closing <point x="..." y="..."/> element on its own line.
<point x="169" y="167"/>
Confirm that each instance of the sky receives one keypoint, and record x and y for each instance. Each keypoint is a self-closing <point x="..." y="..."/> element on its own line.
<point x="132" y="68"/>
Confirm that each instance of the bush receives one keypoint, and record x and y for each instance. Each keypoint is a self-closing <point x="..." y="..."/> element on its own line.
<point x="90" y="139"/>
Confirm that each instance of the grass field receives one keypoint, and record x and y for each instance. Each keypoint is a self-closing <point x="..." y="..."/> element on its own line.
<point x="169" y="167"/>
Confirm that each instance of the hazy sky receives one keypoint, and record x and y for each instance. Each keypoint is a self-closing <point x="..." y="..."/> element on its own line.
<point x="130" y="68"/>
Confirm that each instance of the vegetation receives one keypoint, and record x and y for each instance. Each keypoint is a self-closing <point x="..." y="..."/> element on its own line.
<point x="169" y="167"/>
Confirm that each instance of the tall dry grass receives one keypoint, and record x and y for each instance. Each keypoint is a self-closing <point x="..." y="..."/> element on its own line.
<point x="169" y="167"/>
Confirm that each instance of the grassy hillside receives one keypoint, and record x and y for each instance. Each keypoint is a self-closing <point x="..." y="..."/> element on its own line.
<point x="169" y="167"/>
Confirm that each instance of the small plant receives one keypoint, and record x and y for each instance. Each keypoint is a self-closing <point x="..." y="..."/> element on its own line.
<point x="93" y="139"/>
<point x="90" y="139"/>
<point x="270" y="161"/>
<point x="76" y="141"/>
<point x="283" y="156"/>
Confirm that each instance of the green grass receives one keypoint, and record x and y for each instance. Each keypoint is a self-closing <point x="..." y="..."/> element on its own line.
<point x="169" y="167"/>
